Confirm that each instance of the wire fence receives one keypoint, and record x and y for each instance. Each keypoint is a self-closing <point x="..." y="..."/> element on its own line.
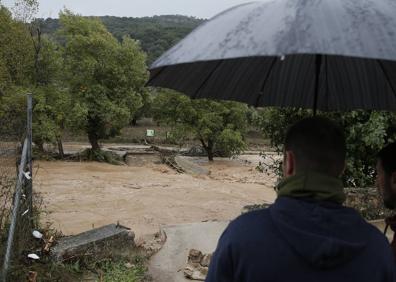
<point x="16" y="196"/>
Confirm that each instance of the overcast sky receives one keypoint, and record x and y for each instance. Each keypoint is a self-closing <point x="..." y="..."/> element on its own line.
<point x="134" y="8"/>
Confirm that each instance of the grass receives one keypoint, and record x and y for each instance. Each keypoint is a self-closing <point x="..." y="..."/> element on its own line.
<point x="123" y="271"/>
<point x="105" y="270"/>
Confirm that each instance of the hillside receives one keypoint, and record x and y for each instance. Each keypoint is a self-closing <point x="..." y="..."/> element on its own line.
<point x="156" y="34"/>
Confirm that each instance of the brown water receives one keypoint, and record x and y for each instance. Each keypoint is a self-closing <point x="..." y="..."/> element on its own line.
<point x="80" y="196"/>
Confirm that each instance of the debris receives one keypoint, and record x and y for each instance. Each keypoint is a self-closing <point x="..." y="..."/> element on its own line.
<point x="171" y="162"/>
<point x="129" y="265"/>
<point x="48" y="244"/>
<point x="195" y="256"/>
<point x="27" y="175"/>
<point x="33" y="256"/>
<point x="206" y="260"/>
<point x="152" y="243"/>
<point x="190" y="167"/>
<point x="37" y="234"/>
<point x="25" y="212"/>
<point x="197" y="265"/>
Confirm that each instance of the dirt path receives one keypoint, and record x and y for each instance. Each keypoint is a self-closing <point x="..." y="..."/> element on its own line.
<point x="79" y="196"/>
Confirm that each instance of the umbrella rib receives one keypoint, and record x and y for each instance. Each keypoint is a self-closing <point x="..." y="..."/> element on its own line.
<point x="261" y="93"/>
<point x="326" y="64"/>
<point x="207" y="78"/>
<point x="387" y="77"/>
<point x="318" y="69"/>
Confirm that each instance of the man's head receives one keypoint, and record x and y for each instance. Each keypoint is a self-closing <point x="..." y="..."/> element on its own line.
<point x="386" y="175"/>
<point x="314" y="144"/>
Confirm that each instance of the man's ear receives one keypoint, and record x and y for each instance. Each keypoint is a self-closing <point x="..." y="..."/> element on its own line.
<point x="290" y="164"/>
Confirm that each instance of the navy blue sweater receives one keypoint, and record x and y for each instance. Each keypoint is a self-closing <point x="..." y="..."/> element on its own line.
<point x="296" y="240"/>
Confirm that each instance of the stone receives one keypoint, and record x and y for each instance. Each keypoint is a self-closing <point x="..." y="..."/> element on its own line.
<point x="195" y="256"/>
<point x="195" y="273"/>
<point x="206" y="260"/>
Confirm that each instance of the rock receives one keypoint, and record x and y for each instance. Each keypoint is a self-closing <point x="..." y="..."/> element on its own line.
<point x="195" y="256"/>
<point x="195" y="273"/>
<point x="197" y="266"/>
<point x="206" y="260"/>
<point x="190" y="167"/>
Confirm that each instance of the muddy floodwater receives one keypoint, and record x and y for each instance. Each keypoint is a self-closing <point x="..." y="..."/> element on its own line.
<point x="78" y="196"/>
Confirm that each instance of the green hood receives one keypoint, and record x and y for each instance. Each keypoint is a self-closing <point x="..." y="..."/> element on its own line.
<point x="312" y="185"/>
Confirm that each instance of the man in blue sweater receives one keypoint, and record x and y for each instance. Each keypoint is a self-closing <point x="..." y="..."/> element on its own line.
<point x="306" y="235"/>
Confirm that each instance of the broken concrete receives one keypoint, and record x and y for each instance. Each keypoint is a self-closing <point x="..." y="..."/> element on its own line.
<point x="168" y="264"/>
<point x="142" y="158"/>
<point x="97" y="242"/>
<point x="190" y="167"/>
<point x="197" y="265"/>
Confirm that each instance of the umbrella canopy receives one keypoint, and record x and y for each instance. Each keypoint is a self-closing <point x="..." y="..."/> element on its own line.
<point x="321" y="54"/>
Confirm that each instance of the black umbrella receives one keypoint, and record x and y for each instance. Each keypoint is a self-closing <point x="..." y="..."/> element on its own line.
<point x="320" y="54"/>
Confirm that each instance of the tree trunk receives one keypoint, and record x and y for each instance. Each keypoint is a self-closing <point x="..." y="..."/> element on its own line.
<point x="208" y="148"/>
<point x="40" y="145"/>
<point x="93" y="140"/>
<point x="60" y="148"/>
<point x="37" y="49"/>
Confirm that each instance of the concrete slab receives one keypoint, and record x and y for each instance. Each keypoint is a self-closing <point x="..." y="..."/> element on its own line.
<point x="190" y="167"/>
<point x="94" y="242"/>
<point x="168" y="264"/>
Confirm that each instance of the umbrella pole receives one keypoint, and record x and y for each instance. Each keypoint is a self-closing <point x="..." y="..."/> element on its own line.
<point x="318" y="68"/>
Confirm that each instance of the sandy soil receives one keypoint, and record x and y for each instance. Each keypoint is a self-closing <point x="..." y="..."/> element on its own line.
<point x="79" y="196"/>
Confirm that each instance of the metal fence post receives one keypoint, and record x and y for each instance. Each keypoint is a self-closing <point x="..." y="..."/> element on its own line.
<point x="29" y="135"/>
<point x="14" y="215"/>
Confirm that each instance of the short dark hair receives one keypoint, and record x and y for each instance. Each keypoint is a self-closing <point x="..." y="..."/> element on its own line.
<point x="318" y="145"/>
<point x="387" y="156"/>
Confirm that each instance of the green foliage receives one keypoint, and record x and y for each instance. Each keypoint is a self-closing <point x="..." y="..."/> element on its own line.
<point x="366" y="133"/>
<point x="230" y="142"/>
<point x="120" y="272"/>
<point x="13" y="112"/>
<point x="105" y="77"/>
<point x="22" y="70"/>
<point x="156" y="34"/>
<point x="146" y="109"/>
<point x="25" y="10"/>
<point x="50" y="112"/>
<point x="49" y="63"/>
<point x="219" y="126"/>
<point x="16" y="52"/>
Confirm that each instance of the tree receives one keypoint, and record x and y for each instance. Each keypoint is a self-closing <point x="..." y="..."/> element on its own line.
<point x="145" y="109"/>
<point x="218" y="126"/>
<point x="16" y="52"/>
<point x="156" y="34"/>
<point x="105" y="77"/>
<point x="366" y="133"/>
<point x="16" y="64"/>
<point x="25" y="10"/>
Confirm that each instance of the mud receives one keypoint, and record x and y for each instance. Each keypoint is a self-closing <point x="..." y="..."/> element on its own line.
<point x="80" y="196"/>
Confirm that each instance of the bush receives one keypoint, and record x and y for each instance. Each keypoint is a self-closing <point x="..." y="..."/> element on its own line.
<point x="366" y="133"/>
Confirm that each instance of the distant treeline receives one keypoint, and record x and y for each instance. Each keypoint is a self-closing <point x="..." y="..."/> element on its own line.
<point x="156" y="34"/>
